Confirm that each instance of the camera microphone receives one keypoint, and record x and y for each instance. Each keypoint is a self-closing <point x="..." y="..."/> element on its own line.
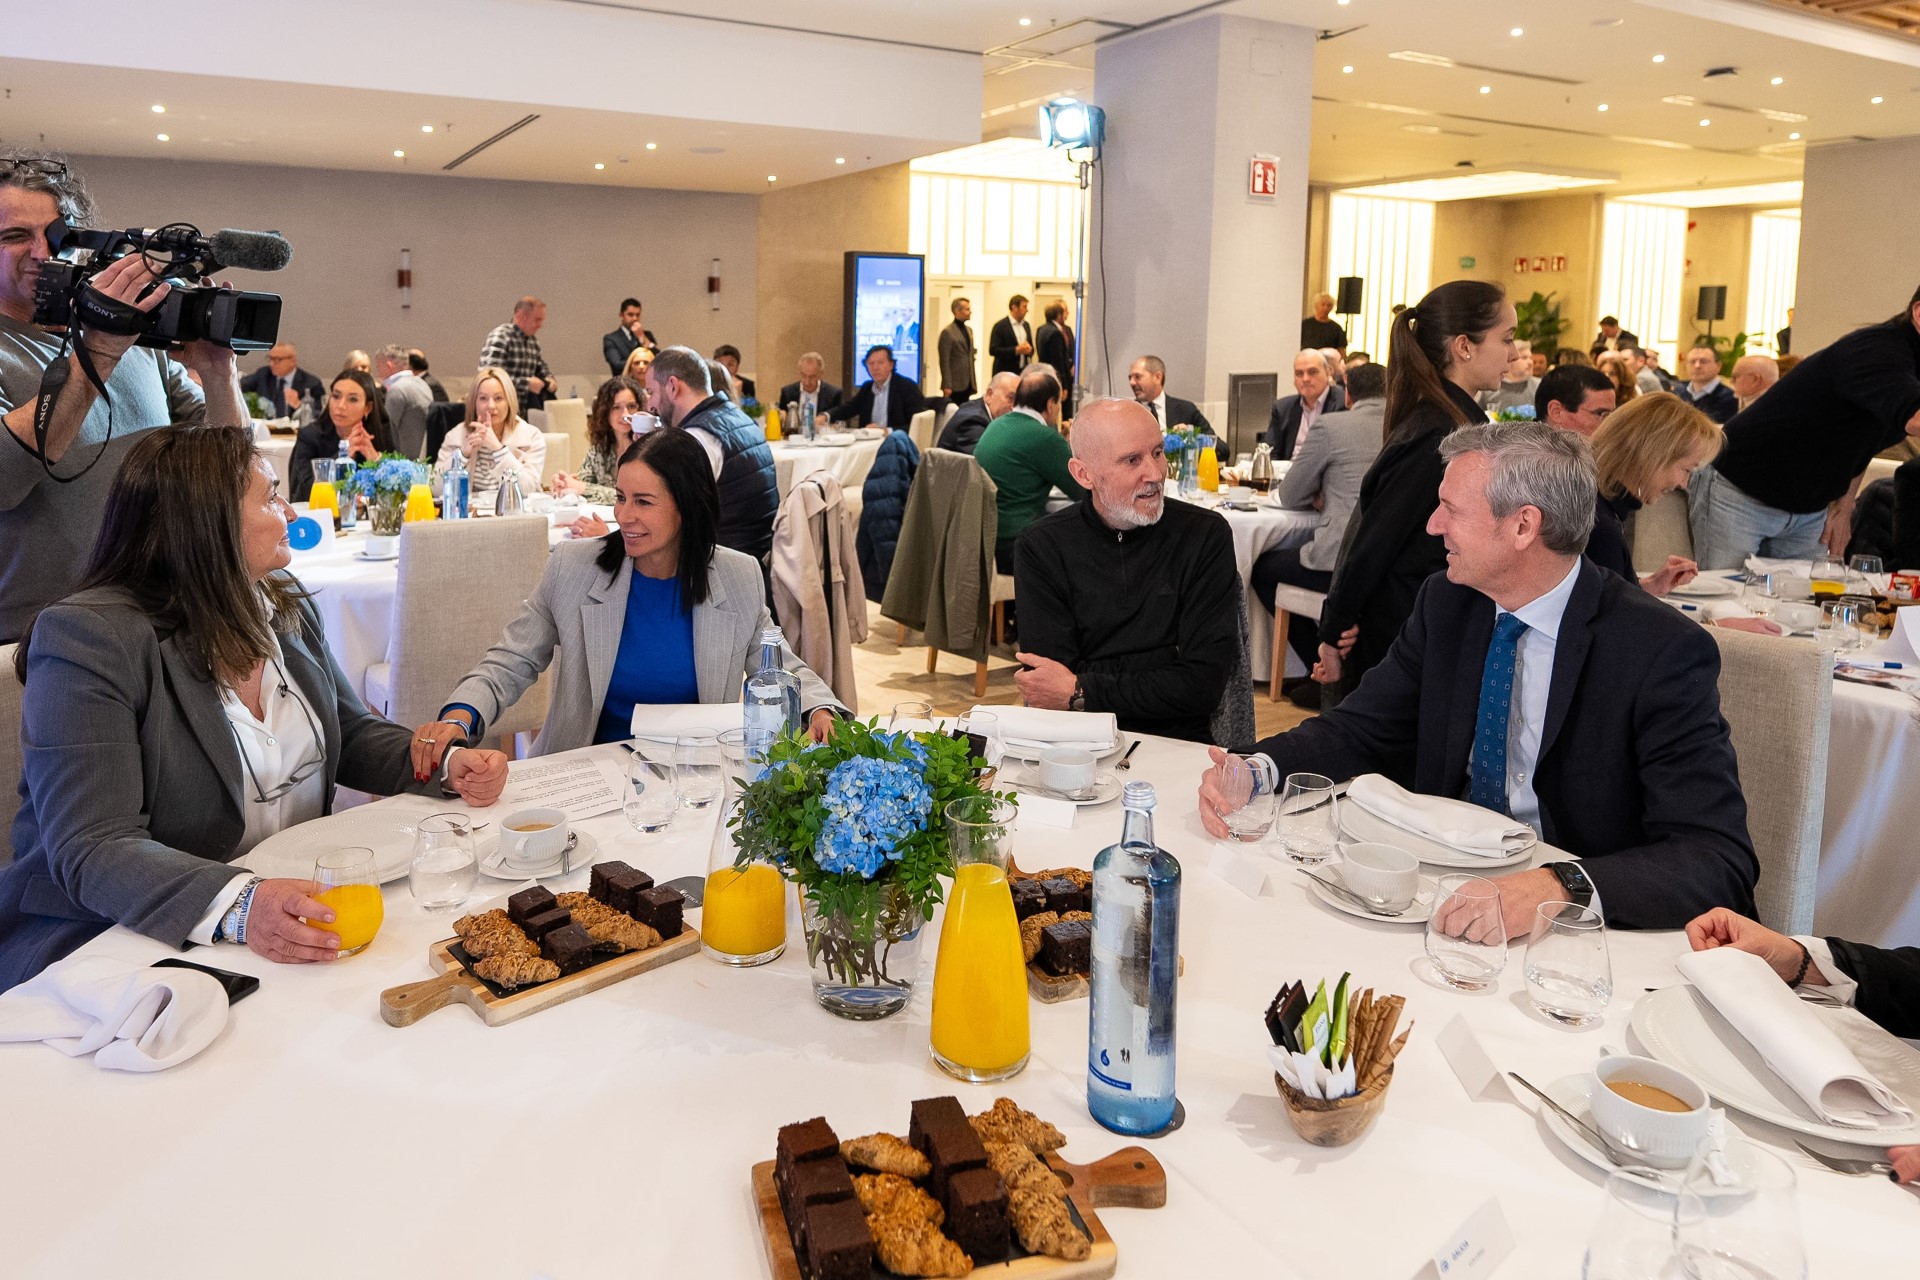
<point x="250" y="250"/>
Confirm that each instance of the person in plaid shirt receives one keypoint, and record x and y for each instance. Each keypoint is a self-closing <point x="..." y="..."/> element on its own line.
<point x="514" y="348"/>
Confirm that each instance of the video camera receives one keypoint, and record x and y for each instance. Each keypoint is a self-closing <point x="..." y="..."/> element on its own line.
<point x="179" y="255"/>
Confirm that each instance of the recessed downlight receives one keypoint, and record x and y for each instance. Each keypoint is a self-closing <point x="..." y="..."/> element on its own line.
<point x="163" y="137"/>
<point x="159" y="110"/>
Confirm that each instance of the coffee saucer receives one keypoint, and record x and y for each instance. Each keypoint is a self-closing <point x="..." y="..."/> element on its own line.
<point x="578" y="853"/>
<point x="1571" y="1093"/>
<point x="1416" y="913"/>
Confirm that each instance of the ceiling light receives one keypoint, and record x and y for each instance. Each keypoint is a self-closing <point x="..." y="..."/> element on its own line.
<point x="772" y="178"/>
<point x="598" y="165"/>
<point x="1486" y="88"/>
<point x="1721" y="197"/>
<point x="1344" y="1"/>
<point x="1877" y="100"/>
<point x="1026" y="22"/>
<point x="1793" y="137"/>
<point x="1346" y="71"/>
<point x="1517" y="31"/>
<point x="653" y="146"/>
<point x="1659" y="57"/>
<point x="159" y="110"/>
<point x="163" y="137"/>
<point x="1424" y="59"/>
<point x="1777" y="80"/>
<point x="839" y="159"/>
<point x="1704" y="122"/>
<point x="1603" y="106"/>
<point x="426" y="128"/>
<point x="399" y="155"/>
<point x="1509" y="180"/>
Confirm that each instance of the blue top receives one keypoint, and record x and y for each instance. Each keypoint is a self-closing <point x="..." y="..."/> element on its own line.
<point x="655" y="660"/>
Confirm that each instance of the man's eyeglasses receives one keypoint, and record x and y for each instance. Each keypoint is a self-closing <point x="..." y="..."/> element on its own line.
<point x="45" y="168"/>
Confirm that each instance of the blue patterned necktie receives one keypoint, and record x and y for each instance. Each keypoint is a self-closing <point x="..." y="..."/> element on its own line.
<point x="1488" y="768"/>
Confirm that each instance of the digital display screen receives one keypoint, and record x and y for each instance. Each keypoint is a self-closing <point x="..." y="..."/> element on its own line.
<point x="885" y="294"/>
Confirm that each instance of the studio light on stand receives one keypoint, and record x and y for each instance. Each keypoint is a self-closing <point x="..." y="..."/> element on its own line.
<point x="1077" y="127"/>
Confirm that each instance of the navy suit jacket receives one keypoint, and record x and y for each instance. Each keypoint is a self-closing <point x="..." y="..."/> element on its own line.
<point x="903" y="401"/>
<point x="826" y="399"/>
<point x="1636" y="773"/>
<point x="1283" y="424"/>
<point x="263" y="384"/>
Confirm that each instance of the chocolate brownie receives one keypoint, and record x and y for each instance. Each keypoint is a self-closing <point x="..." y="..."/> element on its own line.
<point x="624" y="889"/>
<point x="602" y="872"/>
<point x="1066" y="947"/>
<point x="1029" y="899"/>
<point x="1064" y="895"/>
<point x="953" y="1151"/>
<point x="542" y="923"/>
<point x="929" y="1114"/>
<point x="976" y="1205"/>
<point x="530" y="902"/>
<point x="659" y="909"/>
<point x="839" y="1242"/>
<point x="805" y="1140"/>
<point x="569" y="946"/>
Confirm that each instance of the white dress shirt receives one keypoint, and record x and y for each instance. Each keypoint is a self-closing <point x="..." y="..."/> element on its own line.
<point x="1309" y="415"/>
<point x="881" y="390"/>
<point x="809" y="405"/>
<point x="1533" y="680"/>
<point x="1022" y="334"/>
<point x="1158" y="408"/>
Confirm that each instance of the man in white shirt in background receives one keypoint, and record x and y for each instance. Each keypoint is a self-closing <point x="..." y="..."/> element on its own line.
<point x="408" y="398"/>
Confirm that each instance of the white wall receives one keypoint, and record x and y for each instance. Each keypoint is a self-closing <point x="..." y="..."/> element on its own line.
<point x="477" y="245"/>
<point x="1859" y="251"/>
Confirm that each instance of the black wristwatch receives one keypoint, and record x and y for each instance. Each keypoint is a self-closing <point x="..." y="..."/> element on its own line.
<point x="1077" y="700"/>
<point x="1574" y="879"/>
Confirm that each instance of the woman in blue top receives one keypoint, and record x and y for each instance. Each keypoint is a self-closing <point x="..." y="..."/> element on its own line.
<point x="655" y="612"/>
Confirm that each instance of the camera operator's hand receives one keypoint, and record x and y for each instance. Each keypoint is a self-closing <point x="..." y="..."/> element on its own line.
<point x="122" y="281"/>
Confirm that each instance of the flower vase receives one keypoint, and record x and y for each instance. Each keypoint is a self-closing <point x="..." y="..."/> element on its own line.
<point x="864" y="950"/>
<point x="386" y="513"/>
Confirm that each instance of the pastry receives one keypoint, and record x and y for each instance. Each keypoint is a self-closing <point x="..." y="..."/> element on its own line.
<point x="1066" y="947"/>
<point x="1020" y="1169"/>
<point x="605" y="925"/>
<point x="977" y="1219"/>
<point x="1028" y="898"/>
<point x="929" y="1114"/>
<point x="509" y="969"/>
<point x="529" y="902"/>
<point x="911" y="1246"/>
<point x="1009" y="1122"/>
<point x="1044" y="1225"/>
<point x="659" y="910"/>
<point x="491" y="934"/>
<point x="541" y="923"/>
<point x="569" y="946"/>
<point x="1066" y="894"/>
<point x="623" y="888"/>
<point x="1030" y="931"/>
<point x="885" y="1193"/>
<point x="805" y="1140"/>
<point x="839" y="1243"/>
<point x="887" y="1154"/>
<point x="952" y="1151"/>
<point x="602" y="872"/>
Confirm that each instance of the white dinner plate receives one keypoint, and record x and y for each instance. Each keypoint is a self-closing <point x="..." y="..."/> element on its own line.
<point x="386" y="828"/>
<point x="362" y="555"/>
<point x="1418" y="913"/>
<point x="1571" y="1093"/>
<point x="1708" y="586"/>
<point x="1367" y="827"/>
<point x="1678" y="1026"/>
<point x="1024" y="776"/>
<point x="1031" y="752"/>
<point x="579" y="853"/>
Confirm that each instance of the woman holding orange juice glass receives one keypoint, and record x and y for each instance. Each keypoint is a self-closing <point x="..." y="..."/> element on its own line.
<point x="179" y="708"/>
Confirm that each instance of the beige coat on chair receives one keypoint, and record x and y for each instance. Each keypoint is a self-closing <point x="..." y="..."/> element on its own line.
<point x="818" y="591"/>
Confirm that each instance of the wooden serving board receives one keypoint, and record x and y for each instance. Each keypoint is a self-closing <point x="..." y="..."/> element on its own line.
<point x="403" y="1006"/>
<point x="1130" y="1178"/>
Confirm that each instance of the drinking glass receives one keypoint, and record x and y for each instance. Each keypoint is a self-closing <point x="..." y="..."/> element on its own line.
<point x="743" y="917"/>
<point x="1466" y="934"/>
<point x="443" y="869"/>
<point x="650" y="799"/>
<point x="350" y="886"/>
<point x="991" y="747"/>
<point x="1839" y="627"/>
<point x="324" y="496"/>
<point x="1637" y="1236"/>
<point x="1309" y="820"/>
<point x="1829" y="576"/>
<point x="1761" y="594"/>
<point x="1246" y="788"/>
<point x="697" y="775"/>
<point x="1745" y="1236"/>
<point x="912" y="716"/>
<point x="980" y="1029"/>
<point x="1569" y="976"/>
<point x="1866" y="573"/>
<point x="732" y="744"/>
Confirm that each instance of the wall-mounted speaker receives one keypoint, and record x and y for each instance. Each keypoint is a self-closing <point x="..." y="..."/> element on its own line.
<point x="1713" y="302"/>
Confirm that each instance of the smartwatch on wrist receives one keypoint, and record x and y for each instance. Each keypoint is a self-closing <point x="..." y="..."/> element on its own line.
<point x="1574" y="880"/>
<point x="1077" y="700"/>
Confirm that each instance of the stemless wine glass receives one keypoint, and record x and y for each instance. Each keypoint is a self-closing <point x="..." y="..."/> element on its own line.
<point x="651" y="798"/>
<point x="1866" y="573"/>
<point x="1247" y="789"/>
<point x="1761" y="593"/>
<point x="443" y="868"/>
<point x="1466" y="934"/>
<point x="349" y="884"/>
<point x="1829" y="575"/>
<point x="1750" y="1235"/>
<point x="1839" y="627"/>
<point x="915" y="715"/>
<point x="1309" y="820"/>
<point x="697" y="775"/>
<point x="1569" y="975"/>
<point x="986" y="727"/>
<point x="1637" y="1236"/>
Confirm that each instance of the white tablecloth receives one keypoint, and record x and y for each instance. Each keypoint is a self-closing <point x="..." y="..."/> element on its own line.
<point x="1253" y="533"/>
<point x="1869" y="869"/>
<point x="848" y="463"/>
<point x="410" y="1149"/>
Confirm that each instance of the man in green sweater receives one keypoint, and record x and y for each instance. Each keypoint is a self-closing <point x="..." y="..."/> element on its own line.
<point x="1026" y="455"/>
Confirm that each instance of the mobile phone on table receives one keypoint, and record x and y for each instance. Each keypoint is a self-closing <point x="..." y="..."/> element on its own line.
<point x="238" y="985"/>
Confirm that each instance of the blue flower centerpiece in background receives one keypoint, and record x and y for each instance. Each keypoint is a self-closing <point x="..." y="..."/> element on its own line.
<point x="1515" y="413"/>
<point x="854" y="822"/>
<point x="386" y="484"/>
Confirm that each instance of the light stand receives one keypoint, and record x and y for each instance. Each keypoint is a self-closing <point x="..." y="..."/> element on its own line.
<point x="1078" y="127"/>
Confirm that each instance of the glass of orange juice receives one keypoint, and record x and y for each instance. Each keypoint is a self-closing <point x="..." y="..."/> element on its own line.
<point x="348" y="885"/>
<point x="324" y="496"/>
<point x="980" y="976"/>
<point x="743" y="918"/>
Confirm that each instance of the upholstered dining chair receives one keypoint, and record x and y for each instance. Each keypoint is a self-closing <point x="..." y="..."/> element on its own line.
<point x="920" y="429"/>
<point x="460" y="583"/>
<point x="569" y="418"/>
<point x="559" y="455"/>
<point x="1288" y="600"/>
<point x="11" y="759"/>
<point x="1777" y="696"/>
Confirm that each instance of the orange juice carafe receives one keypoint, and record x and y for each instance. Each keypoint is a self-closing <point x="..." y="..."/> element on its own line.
<point x="980" y="976"/>
<point x="772" y="421"/>
<point x="420" y="505"/>
<point x="1208" y="462"/>
<point x="743" y="918"/>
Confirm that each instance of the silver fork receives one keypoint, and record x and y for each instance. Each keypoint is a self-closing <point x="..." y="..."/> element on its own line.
<point x="1841" y="1164"/>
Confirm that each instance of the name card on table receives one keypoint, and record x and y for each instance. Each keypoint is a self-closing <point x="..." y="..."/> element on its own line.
<point x="310" y="535"/>
<point x="1044" y="811"/>
<point x="1470" y="1061"/>
<point x="1477" y="1249"/>
<point x="1245" y="872"/>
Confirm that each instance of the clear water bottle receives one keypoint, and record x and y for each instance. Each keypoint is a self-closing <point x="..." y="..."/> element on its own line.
<point x="455" y="489"/>
<point x="1136" y="948"/>
<point x="771" y="700"/>
<point x="348" y="491"/>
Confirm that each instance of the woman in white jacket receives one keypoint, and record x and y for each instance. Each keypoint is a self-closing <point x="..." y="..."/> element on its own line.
<point x="495" y="437"/>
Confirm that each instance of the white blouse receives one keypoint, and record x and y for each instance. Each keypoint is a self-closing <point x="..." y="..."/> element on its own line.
<point x="522" y="447"/>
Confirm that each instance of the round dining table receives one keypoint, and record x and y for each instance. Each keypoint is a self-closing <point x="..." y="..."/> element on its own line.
<point x="848" y="462"/>
<point x="612" y="1135"/>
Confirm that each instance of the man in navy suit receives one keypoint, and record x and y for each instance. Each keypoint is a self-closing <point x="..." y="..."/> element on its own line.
<point x="1532" y="683"/>
<point x="815" y="396"/>
<point x="1314" y="395"/>
<point x="885" y="400"/>
<point x="283" y="384"/>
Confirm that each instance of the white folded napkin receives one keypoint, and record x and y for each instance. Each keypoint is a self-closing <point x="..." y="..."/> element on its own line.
<point x="1465" y="827"/>
<point x="128" y="1018"/>
<point x="1793" y="1040"/>
<point x="1030" y="729"/>
<point x="661" y="722"/>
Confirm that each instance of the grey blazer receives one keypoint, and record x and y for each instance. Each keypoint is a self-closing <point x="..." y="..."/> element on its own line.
<point x="1332" y="461"/>
<point x="131" y="786"/>
<point x="574" y="620"/>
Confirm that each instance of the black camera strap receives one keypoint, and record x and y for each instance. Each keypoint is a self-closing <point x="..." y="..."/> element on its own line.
<point x="52" y="383"/>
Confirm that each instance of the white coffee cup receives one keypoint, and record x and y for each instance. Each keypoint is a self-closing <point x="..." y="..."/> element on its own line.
<point x="1240" y="493"/>
<point x="532" y="837"/>
<point x="1663" y="1139"/>
<point x="1381" y="873"/>
<point x="1068" y="769"/>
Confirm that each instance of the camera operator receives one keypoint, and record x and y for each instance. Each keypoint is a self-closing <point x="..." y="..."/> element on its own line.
<point x="47" y="527"/>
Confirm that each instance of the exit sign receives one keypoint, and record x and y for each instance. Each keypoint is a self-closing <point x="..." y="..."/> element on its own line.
<point x="1469" y="262"/>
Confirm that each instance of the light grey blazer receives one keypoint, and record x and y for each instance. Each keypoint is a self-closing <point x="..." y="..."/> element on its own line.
<point x="1332" y="461"/>
<point x="574" y="620"/>
<point x="132" y="784"/>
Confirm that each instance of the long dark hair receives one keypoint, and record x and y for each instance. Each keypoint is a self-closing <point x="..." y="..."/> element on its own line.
<point x="600" y="422"/>
<point x="170" y="538"/>
<point x="376" y="419"/>
<point x="1417" y="357"/>
<point x="679" y="460"/>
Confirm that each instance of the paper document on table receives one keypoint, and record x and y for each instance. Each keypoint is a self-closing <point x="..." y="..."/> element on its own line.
<point x="578" y="786"/>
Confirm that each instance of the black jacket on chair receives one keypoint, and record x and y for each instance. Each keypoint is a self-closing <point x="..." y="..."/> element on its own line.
<point x="903" y="401"/>
<point x="1636" y="773"/>
<point x="1889" y="983"/>
<point x="1283" y="423"/>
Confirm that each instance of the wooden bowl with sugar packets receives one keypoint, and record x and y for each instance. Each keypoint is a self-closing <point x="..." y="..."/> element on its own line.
<point x="1335" y="1123"/>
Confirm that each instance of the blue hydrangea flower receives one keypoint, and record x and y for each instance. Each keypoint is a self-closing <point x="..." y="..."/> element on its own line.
<point x="1174" y="444"/>
<point x="872" y="805"/>
<point x="1518" y="413"/>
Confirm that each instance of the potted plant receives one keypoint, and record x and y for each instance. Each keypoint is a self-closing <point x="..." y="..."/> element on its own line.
<point x="386" y="483"/>
<point x="855" y="822"/>
<point x="1537" y="321"/>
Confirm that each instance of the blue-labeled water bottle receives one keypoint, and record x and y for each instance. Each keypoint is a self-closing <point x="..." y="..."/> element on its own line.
<point x="770" y="700"/>
<point x="1136" y="950"/>
<point x="455" y="489"/>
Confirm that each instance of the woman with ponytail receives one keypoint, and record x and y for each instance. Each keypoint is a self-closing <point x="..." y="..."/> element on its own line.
<point x="1455" y="343"/>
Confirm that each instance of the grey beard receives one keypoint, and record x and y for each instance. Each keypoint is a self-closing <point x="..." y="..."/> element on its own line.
<point x="1127" y="516"/>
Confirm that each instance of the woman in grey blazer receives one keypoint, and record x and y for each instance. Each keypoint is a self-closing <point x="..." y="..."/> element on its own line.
<point x="180" y="707"/>
<point x="655" y="612"/>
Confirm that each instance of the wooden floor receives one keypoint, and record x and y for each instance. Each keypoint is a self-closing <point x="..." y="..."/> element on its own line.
<point x="888" y="673"/>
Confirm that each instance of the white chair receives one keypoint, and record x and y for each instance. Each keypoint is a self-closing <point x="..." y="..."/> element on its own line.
<point x="920" y="430"/>
<point x="11" y="759"/>
<point x="946" y="414"/>
<point x="1777" y="697"/>
<point x="460" y="583"/>
<point x="559" y="455"/>
<point x="1287" y="600"/>
<point x="999" y="596"/>
<point x="538" y="417"/>
<point x="569" y="418"/>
